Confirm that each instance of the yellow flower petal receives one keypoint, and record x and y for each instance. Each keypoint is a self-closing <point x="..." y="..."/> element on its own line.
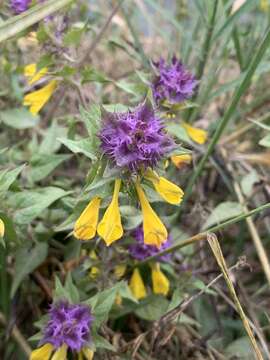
<point x="155" y="232"/>
<point x="37" y="99"/>
<point x="197" y="135"/>
<point x="2" y="228"/>
<point x="88" y="353"/>
<point x="32" y="75"/>
<point x="42" y="353"/>
<point x="179" y="160"/>
<point x="170" y="192"/>
<point x="136" y="285"/>
<point x="119" y="270"/>
<point x="86" y="226"/>
<point x="110" y="228"/>
<point x="61" y="353"/>
<point x="161" y="284"/>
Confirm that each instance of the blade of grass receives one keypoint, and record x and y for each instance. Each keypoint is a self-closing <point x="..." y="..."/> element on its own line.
<point x="203" y="235"/>
<point x="216" y="249"/>
<point x="228" y="114"/>
<point x="21" y="22"/>
<point x="204" y="52"/>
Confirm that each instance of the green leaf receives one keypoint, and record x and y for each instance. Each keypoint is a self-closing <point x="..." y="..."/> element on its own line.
<point x="222" y="212"/>
<point x="18" y="23"/>
<point x="241" y="349"/>
<point x="179" y="132"/>
<point x="102" y="303"/>
<point x="265" y="141"/>
<point x="49" y="144"/>
<point x="30" y="204"/>
<point x="101" y="342"/>
<point x="72" y="291"/>
<point x="91" y="119"/>
<point x="10" y="233"/>
<point x="19" y="118"/>
<point x="73" y="36"/>
<point x="43" y="165"/>
<point x="125" y="292"/>
<point x="84" y="146"/>
<point x="152" y="308"/>
<point x="60" y="292"/>
<point x="90" y="74"/>
<point x="249" y="181"/>
<point x="27" y="260"/>
<point x="8" y="177"/>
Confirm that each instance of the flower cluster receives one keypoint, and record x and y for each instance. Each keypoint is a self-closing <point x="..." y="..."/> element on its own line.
<point x="68" y="328"/>
<point x="133" y="142"/>
<point x="19" y="6"/>
<point x="173" y="82"/>
<point x="134" y="139"/>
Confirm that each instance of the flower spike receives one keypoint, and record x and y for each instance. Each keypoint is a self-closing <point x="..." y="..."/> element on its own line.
<point x="110" y="228"/>
<point x="86" y="225"/>
<point x="160" y="282"/>
<point x="137" y="286"/>
<point x="170" y="192"/>
<point x="155" y="232"/>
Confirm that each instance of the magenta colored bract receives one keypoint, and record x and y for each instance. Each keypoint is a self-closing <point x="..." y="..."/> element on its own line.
<point x="134" y="139"/>
<point x="141" y="251"/>
<point x="68" y="324"/>
<point x="173" y="82"/>
<point x="19" y="6"/>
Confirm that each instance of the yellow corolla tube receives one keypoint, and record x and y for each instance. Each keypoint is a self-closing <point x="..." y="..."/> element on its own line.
<point x="61" y="353"/>
<point x="86" y="226"/>
<point x="32" y="74"/>
<point x="154" y="230"/>
<point x="42" y="353"/>
<point x="180" y="160"/>
<point x="161" y="284"/>
<point x="37" y="99"/>
<point x="136" y="285"/>
<point x="2" y="228"/>
<point x="110" y="228"/>
<point x="170" y="192"/>
<point x="88" y="353"/>
<point x="197" y="135"/>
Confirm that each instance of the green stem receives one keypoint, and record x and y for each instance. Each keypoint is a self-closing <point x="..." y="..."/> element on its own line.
<point x="4" y="282"/>
<point x="203" y="235"/>
<point x="238" y="48"/>
<point x="228" y="114"/>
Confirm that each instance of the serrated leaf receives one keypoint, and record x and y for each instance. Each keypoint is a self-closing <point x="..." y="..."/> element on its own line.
<point x="19" y="118"/>
<point x="43" y="165"/>
<point x="91" y="119"/>
<point x="27" y="260"/>
<point x="30" y="204"/>
<point x="223" y="212"/>
<point x="101" y="342"/>
<point x="71" y="289"/>
<point x="84" y="146"/>
<point x="7" y="177"/>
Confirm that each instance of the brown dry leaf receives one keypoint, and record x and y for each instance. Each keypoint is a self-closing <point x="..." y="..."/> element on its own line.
<point x="258" y="158"/>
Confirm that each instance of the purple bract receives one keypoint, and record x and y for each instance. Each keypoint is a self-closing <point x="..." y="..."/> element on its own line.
<point x="141" y="251"/>
<point x="68" y="324"/>
<point x="19" y="6"/>
<point x="173" y="82"/>
<point x="134" y="139"/>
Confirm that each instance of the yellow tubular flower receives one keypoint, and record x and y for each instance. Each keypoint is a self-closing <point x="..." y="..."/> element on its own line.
<point x="86" y="226"/>
<point x="88" y="353"/>
<point x="42" y="353"/>
<point x="136" y="285"/>
<point x="179" y="160"/>
<point x="61" y="353"/>
<point x="161" y="284"/>
<point x="110" y="228"/>
<point x="197" y="135"/>
<point x="264" y="5"/>
<point x="155" y="232"/>
<point x="32" y="75"/>
<point x="170" y="192"/>
<point x="2" y="228"/>
<point x="37" y="99"/>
